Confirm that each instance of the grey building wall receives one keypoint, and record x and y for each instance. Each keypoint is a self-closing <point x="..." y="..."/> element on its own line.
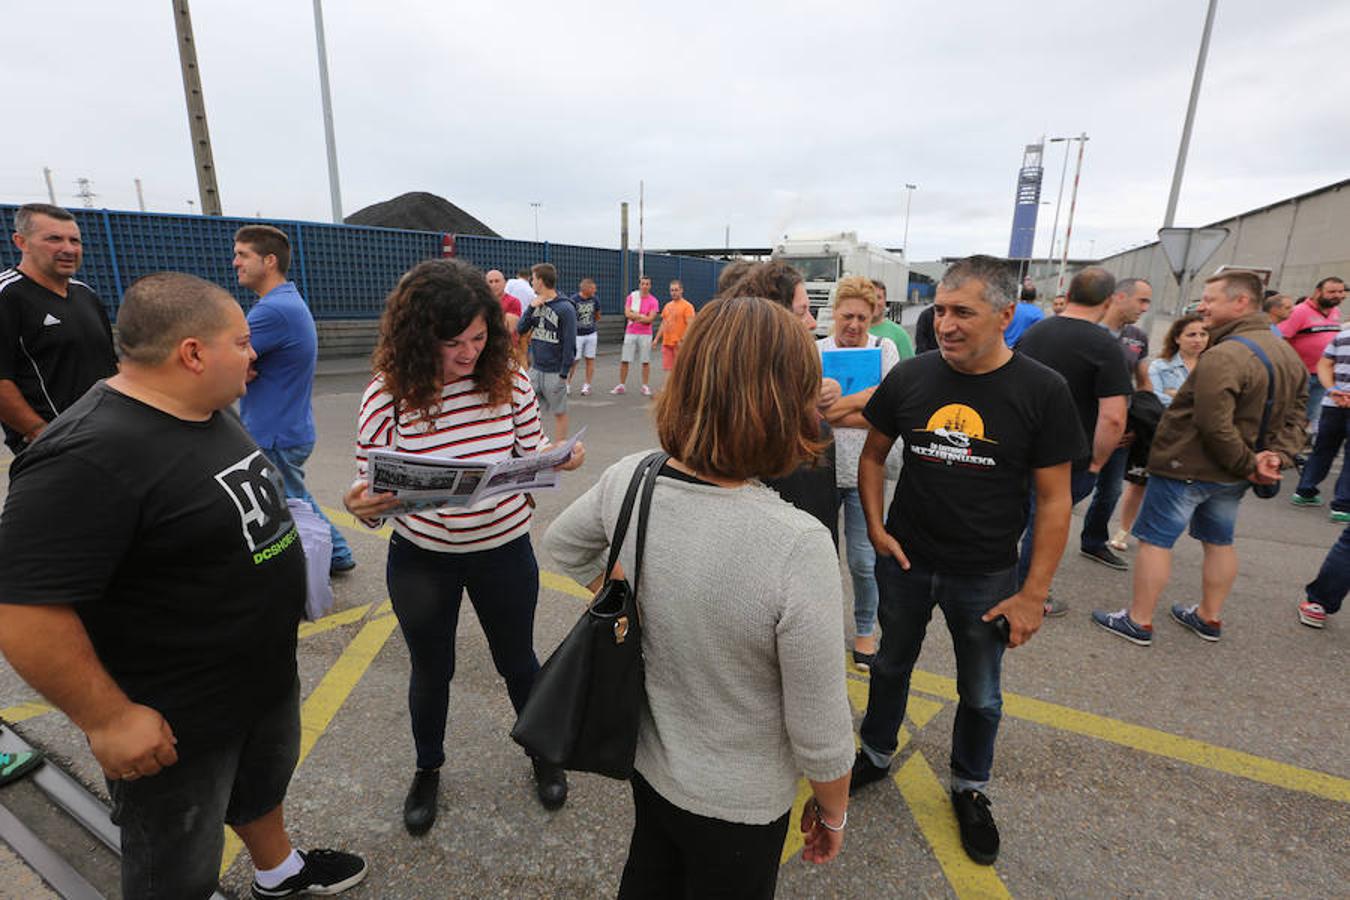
<point x="1301" y="240"/>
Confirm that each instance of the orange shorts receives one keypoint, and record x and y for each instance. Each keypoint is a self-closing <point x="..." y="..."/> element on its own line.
<point x="668" y="352"/>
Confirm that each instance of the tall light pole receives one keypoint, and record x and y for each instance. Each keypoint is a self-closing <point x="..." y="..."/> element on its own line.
<point x="536" y="204"/>
<point x="1172" y="198"/>
<point x="1059" y="200"/>
<point x="1082" y="140"/>
<point x="334" y="191"/>
<point x="909" y="198"/>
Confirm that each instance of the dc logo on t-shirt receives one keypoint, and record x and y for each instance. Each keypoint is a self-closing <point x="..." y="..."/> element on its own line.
<point x="255" y="487"/>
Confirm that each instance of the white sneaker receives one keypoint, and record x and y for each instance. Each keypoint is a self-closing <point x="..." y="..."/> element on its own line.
<point x="585" y="390"/>
<point x="646" y="391"/>
<point x="1120" y="541"/>
<point x="619" y="389"/>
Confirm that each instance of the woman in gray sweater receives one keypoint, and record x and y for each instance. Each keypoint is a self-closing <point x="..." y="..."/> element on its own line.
<point x="741" y="613"/>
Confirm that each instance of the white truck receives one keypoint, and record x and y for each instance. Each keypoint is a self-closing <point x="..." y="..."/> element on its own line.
<point x="826" y="258"/>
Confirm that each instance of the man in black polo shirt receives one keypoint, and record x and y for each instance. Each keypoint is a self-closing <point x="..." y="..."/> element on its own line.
<point x="55" y="340"/>
<point x="152" y="583"/>
<point x="1076" y="346"/>
<point x="983" y="427"/>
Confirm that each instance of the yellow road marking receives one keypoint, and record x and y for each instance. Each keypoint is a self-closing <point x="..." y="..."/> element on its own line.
<point x="336" y="620"/>
<point x="347" y="520"/>
<point x="932" y="808"/>
<point x="22" y="711"/>
<point x="1151" y="740"/>
<point x="323" y="703"/>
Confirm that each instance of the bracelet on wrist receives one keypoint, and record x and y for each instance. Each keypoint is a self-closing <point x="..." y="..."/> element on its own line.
<point x="820" y="817"/>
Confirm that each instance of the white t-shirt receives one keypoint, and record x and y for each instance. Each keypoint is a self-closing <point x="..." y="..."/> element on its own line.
<point x="521" y="290"/>
<point x="848" y="442"/>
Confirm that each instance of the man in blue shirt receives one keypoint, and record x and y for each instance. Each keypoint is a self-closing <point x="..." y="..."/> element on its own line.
<point x="553" y="346"/>
<point x="1025" y="313"/>
<point x="277" y="409"/>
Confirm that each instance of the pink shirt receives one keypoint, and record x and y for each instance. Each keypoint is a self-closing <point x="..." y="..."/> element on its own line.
<point x="511" y="305"/>
<point x="1309" y="332"/>
<point x="650" y="306"/>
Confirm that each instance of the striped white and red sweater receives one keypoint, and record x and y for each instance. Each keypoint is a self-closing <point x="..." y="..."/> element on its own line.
<point x="465" y="427"/>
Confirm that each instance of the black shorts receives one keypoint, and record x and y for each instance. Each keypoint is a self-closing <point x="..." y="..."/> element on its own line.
<point x="173" y="822"/>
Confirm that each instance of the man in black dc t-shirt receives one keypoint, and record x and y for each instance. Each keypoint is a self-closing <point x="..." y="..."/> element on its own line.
<point x="982" y="428"/>
<point x="152" y="584"/>
<point x="55" y="341"/>
<point x="1076" y="346"/>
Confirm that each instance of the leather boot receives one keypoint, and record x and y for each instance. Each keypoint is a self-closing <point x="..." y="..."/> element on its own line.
<point x="419" y="809"/>
<point x="550" y="783"/>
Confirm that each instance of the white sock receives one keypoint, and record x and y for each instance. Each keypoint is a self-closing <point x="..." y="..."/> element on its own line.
<point x="291" y="865"/>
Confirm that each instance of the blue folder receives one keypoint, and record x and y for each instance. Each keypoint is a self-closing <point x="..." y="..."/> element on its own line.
<point x="855" y="368"/>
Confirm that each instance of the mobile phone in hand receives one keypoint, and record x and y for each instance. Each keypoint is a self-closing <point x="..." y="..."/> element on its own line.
<point x="1004" y="630"/>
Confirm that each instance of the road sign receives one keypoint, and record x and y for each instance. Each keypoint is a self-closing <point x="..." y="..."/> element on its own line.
<point x="1187" y="249"/>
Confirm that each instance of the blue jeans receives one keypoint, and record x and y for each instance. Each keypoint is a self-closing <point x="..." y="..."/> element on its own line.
<point x="1315" y="394"/>
<point x="1333" y="581"/>
<point x="1097" y="519"/>
<point x="907" y="601"/>
<point x="1331" y="434"/>
<point x="1081" y="484"/>
<point x="862" y="561"/>
<point x="290" y="462"/>
<point x="426" y="588"/>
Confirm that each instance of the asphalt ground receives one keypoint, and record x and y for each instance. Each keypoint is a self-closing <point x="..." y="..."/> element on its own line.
<point x="1186" y="769"/>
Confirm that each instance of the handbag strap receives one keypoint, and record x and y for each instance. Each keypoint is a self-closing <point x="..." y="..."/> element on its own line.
<point x="644" y="509"/>
<point x="1270" y="387"/>
<point x="626" y="510"/>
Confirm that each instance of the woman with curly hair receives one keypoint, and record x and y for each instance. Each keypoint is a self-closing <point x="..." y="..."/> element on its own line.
<point x="445" y="384"/>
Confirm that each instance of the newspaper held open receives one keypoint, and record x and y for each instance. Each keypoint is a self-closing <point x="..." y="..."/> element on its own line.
<point x="434" y="482"/>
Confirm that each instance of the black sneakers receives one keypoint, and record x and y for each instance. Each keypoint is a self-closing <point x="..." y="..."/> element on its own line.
<point x="1104" y="556"/>
<point x="550" y="783"/>
<point x="865" y="772"/>
<point x="979" y="834"/>
<point x="325" y="872"/>
<point x="419" y="808"/>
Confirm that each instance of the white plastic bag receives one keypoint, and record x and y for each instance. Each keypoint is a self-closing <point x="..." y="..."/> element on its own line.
<point x="317" y="541"/>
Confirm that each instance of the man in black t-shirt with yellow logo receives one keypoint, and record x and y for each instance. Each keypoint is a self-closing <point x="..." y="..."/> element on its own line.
<point x="982" y="428"/>
<point x="152" y="585"/>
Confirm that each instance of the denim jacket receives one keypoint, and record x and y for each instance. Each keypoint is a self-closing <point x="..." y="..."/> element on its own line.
<point x="1167" y="375"/>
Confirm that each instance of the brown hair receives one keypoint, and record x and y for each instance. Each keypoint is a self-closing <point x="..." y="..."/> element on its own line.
<point x="267" y="241"/>
<point x="741" y="400"/>
<point x="162" y="310"/>
<point x="1171" y="343"/>
<point x="1240" y="282"/>
<point x="545" y="273"/>
<point x="774" y="280"/>
<point x="436" y="301"/>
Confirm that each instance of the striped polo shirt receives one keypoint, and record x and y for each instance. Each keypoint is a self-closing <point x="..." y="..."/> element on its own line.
<point x="1338" y="351"/>
<point x="465" y="427"/>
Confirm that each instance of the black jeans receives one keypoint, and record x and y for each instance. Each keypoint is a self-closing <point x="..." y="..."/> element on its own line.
<point x="677" y="854"/>
<point x="426" y="588"/>
<point x="172" y="822"/>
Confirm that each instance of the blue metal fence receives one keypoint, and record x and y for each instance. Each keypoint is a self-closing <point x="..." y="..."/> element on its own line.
<point x="344" y="271"/>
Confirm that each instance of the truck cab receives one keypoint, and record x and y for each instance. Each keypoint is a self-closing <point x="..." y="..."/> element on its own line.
<point x="823" y="260"/>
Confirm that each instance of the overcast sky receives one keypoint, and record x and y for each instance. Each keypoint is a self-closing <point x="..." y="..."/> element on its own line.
<point x="769" y="117"/>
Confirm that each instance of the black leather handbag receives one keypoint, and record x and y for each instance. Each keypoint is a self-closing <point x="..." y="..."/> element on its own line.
<point x="583" y="711"/>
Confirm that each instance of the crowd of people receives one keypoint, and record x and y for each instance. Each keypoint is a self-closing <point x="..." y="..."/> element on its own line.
<point x="172" y="644"/>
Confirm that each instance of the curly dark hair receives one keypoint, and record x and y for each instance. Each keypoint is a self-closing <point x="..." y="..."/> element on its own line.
<point x="436" y="301"/>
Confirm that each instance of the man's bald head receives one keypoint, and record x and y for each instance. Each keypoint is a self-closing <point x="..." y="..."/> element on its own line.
<point x="160" y="311"/>
<point x="496" y="282"/>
